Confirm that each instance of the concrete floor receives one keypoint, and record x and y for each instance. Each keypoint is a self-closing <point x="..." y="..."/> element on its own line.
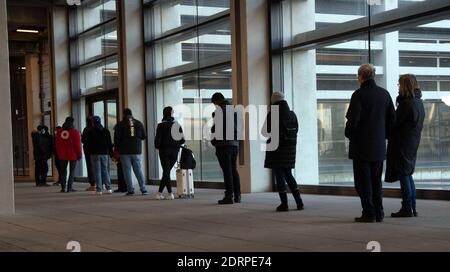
<point x="47" y="220"/>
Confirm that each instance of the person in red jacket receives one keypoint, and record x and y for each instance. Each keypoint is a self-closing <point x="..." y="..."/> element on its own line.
<point x="68" y="148"/>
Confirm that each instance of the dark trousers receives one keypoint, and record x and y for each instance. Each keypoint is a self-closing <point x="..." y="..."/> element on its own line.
<point x="40" y="171"/>
<point x="58" y="168"/>
<point x="408" y="189"/>
<point x="368" y="185"/>
<point x="283" y="176"/>
<point x="227" y="156"/>
<point x="121" y="179"/>
<point x="91" y="178"/>
<point x="72" y="165"/>
<point x="168" y="159"/>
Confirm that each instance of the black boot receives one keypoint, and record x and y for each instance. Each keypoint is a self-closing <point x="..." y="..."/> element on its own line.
<point x="298" y="199"/>
<point x="226" y="200"/>
<point x="237" y="199"/>
<point x="284" y="203"/>
<point x="403" y="213"/>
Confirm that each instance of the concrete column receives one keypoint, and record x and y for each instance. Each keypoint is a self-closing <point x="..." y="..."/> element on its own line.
<point x="390" y="57"/>
<point x="33" y="103"/>
<point x="132" y="63"/>
<point x="6" y="159"/>
<point x="250" y="76"/>
<point x="62" y="105"/>
<point x="303" y="96"/>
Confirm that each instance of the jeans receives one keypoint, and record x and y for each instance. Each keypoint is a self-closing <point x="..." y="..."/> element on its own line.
<point x="227" y="156"/>
<point x="40" y="171"/>
<point x="283" y="176"/>
<point x="168" y="159"/>
<point x="64" y="180"/>
<point x="100" y="171"/>
<point x="133" y="162"/>
<point x="408" y="193"/>
<point x="369" y="187"/>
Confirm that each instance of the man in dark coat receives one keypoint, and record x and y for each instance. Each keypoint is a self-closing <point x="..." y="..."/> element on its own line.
<point x="42" y="151"/>
<point x="370" y="117"/>
<point x="227" y="148"/>
<point x="168" y="145"/>
<point x="87" y="149"/>
<point x="281" y="158"/>
<point x="128" y="136"/>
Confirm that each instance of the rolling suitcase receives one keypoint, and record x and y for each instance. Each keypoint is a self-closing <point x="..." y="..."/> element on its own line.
<point x="185" y="183"/>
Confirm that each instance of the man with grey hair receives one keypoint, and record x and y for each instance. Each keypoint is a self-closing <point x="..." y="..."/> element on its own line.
<point x="370" y="117"/>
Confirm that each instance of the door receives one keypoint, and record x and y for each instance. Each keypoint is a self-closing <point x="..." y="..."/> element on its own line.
<point x="105" y="107"/>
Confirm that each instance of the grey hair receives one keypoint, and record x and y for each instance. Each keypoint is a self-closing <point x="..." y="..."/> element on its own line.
<point x="367" y="71"/>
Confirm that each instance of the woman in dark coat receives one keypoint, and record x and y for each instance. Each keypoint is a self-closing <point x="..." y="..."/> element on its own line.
<point x="281" y="150"/>
<point x="404" y="142"/>
<point x="168" y="147"/>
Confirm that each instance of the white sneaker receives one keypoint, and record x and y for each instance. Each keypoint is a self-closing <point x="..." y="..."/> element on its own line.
<point x="159" y="196"/>
<point x="170" y="196"/>
<point x="99" y="193"/>
<point x="109" y="192"/>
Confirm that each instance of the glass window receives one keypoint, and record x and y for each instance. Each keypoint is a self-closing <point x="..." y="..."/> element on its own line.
<point x="317" y="69"/>
<point x="99" y="76"/>
<point x="92" y="13"/>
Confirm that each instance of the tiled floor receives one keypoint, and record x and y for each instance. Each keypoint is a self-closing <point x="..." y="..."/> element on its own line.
<point x="47" y="220"/>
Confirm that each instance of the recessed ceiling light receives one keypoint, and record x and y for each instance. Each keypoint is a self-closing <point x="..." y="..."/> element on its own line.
<point x="22" y="30"/>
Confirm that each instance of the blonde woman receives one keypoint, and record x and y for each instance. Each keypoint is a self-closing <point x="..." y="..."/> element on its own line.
<point x="404" y="142"/>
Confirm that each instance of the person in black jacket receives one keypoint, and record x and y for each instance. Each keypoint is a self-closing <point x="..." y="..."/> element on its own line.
<point x="98" y="139"/>
<point x="169" y="138"/>
<point x="128" y="137"/>
<point x="370" y="117"/>
<point x="42" y="151"/>
<point x="87" y="153"/>
<point x="282" y="158"/>
<point x="226" y="147"/>
<point x="404" y="141"/>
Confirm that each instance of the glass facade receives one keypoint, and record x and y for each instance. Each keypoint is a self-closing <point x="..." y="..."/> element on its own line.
<point x="317" y="47"/>
<point x="188" y="58"/>
<point x="94" y="62"/>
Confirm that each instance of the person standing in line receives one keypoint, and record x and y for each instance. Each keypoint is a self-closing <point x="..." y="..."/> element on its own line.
<point x="226" y="149"/>
<point x="128" y="137"/>
<point x="57" y="160"/>
<point x="68" y="148"/>
<point x="87" y="149"/>
<point x="42" y="151"/>
<point x="370" y="117"/>
<point x="282" y="159"/>
<point x="168" y="150"/>
<point x="404" y="142"/>
<point x="98" y="139"/>
<point x="122" y="185"/>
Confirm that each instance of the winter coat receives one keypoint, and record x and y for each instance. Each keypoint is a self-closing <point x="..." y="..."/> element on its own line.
<point x="42" y="146"/>
<point x="128" y="136"/>
<point x="99" y="141"/>
<point x="405" y="137"/>
<point x="164" y="139"/>
<point x="285" y="155"/>
<point x="370" y="117"/>
<point x="68" y="143"/>
<point x="221" y="140"/>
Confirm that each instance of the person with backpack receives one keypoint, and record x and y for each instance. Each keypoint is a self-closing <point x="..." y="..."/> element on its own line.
<point x="42" y="151"/>
<point x="128" y="136"/>
<point x="281" y="158"/>
<point x="98" y="139"/>
<point x="87" y="149"/>
<point x="226" y="148"/>
<point x="168" y="145"/>
<point x="68" y="148"/>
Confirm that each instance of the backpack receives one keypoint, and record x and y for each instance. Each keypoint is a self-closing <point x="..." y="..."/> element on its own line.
<point x="187" y="160"/>
<point x="290" y="127"/>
